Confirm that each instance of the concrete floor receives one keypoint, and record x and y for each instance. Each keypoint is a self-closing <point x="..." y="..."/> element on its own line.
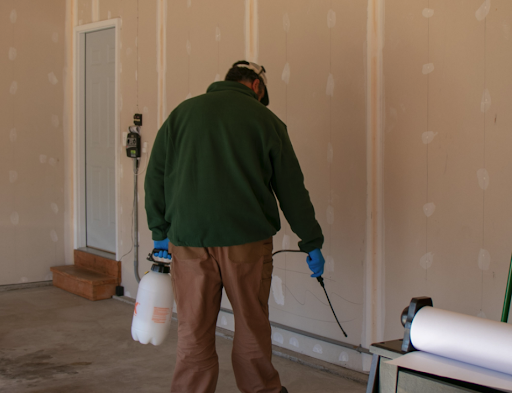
<point x="54" y="342"/>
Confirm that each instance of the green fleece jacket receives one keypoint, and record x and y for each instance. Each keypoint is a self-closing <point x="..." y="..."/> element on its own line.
<point x="216" y="164"/>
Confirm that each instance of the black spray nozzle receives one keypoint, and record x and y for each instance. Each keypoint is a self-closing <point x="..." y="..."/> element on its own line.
<point x="321" y="281"/>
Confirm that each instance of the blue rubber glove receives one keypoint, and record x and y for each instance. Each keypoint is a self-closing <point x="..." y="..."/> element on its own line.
<point x="162" y="245"/>
<point x="316" y="262"/>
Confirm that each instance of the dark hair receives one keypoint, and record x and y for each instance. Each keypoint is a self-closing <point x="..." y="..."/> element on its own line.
<point x="243" y="74"/>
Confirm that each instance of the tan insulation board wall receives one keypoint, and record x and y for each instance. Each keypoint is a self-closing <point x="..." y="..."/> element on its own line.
<point x="32" y="47"/>
<point x="438" y="60"/>
<point x="314" y="55"/>
<point x="447" y="162"/>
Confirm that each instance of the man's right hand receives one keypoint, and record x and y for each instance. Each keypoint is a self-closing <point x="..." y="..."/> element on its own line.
<point x="162" y="245"/>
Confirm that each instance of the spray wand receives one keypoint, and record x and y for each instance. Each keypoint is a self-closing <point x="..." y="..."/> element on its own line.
<point x="321" y="281"/>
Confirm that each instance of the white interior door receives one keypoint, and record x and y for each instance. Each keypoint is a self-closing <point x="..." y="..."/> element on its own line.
<point x="100" y="139"/>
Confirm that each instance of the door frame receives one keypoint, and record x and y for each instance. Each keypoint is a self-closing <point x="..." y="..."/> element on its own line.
<point x="79" y="188"/>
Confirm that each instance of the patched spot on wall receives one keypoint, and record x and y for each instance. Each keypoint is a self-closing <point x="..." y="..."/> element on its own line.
<point x="13" y="135"/>
<point x="13" y="176"/>
<point x="483" y="178"/>
<point x="318" y="349"/>
<point x="15" y="218"/>
<point x="427" y="68"/>
<point x="277" y="290"/>
<point x="484" y="259"/>
<point x="55" y="37"/>
<point x="13" y="88"/>
<point x="12" y="53"/>
<point x="429" y="209"/>
<point x="278" y="338"/>
<point x="54" y="236"/>
<point x="13" y="16"/>
<point x="42" y="159"/>
<point x="343" y="357"/>
<point x="286" y="242"/>
<point x="286" y="22"/>
<point x="329" y="264"/>
<point x="330" y="153"/>
<point x="330" y="215"/>
<point x="55" y="208"/>
<point x="426" y="260"/>
<point x="331" y="19"/>
<point x="428" y="137"/>
<point x="52" y="78"/>
<point x="485" y="103"/>
<point x="483" y="11"/>
<point x="285" y="75"/>
<point x="428" y="12"/>
<point x="217" y="34"/>
<point x="505" y="28"/>
<point x="188" y="47"/>
<point x="329" y="90"/>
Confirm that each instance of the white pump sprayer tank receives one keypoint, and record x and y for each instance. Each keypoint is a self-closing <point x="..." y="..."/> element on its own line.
<point x="153" y="308"/>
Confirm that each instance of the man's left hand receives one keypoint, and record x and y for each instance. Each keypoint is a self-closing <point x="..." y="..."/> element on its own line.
<point x="316" y="262"/>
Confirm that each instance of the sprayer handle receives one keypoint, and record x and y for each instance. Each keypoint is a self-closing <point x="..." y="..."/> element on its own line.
<point x="154" y="256"/>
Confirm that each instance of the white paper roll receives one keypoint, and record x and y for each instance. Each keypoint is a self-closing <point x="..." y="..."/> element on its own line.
<point x="465" y="338"/>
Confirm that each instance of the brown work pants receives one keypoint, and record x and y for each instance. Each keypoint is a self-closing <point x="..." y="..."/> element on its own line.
<point x="198" y="276"/>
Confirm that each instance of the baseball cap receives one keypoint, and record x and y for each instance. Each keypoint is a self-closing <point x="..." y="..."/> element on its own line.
<point x="260" y="71"/>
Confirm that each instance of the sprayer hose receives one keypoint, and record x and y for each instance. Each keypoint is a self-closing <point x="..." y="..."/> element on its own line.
<point x="321" y="281"/>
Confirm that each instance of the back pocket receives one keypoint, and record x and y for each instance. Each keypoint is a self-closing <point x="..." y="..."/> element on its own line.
<point x="250" y="252"/>
<point x="187" y="253"/>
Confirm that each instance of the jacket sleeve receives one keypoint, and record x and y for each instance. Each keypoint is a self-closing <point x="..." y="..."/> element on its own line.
<point x="288" y="185"/>
<point x="154" y="186"/>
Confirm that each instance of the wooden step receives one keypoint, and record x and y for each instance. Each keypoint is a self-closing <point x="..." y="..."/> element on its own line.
<point x="83" y="282"/>
<point x="98" y="264"/>
<point x="92" y="276"/>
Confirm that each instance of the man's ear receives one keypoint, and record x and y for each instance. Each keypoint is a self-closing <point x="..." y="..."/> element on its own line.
<point x="256" y="86"/>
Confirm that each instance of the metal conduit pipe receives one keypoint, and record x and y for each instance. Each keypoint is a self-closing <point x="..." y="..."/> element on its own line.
<point x="357" y="348"/>
<point x="135" y="220"/>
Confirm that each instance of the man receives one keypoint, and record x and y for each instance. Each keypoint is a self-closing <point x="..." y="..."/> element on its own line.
<point x="216" y="164"/>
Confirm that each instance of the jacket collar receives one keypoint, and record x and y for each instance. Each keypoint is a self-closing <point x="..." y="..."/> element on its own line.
<point x="233" y="86"/>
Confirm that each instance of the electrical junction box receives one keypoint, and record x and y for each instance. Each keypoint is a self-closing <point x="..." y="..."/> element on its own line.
<point x="133" y="143"/>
